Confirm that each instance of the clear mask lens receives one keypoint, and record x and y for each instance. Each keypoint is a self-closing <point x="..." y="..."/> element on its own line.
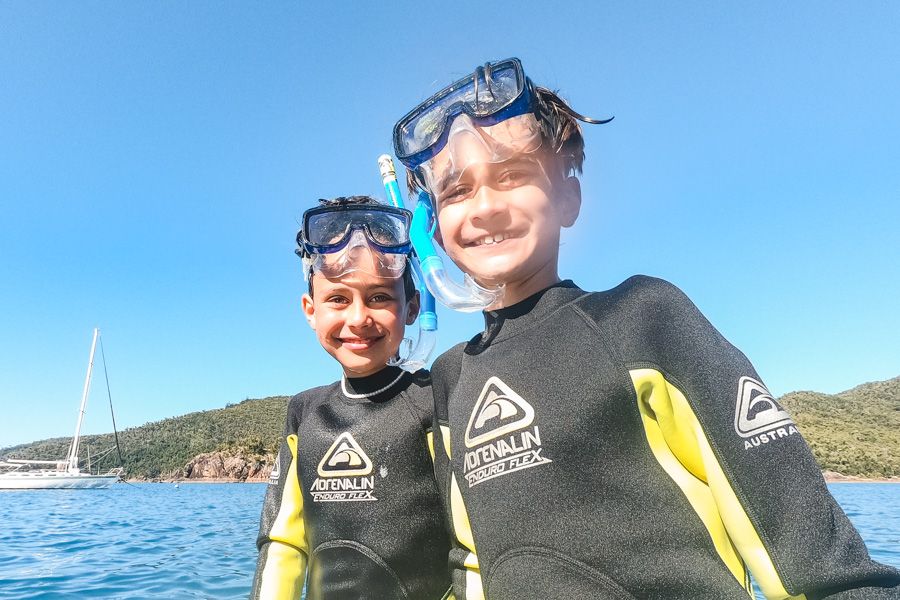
<point x="359" y="255"/>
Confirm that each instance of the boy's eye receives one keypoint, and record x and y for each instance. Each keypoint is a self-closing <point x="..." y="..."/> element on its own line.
<point x="379" y="298"/>
<point x="455" y="193"/>
<point x="513" y="177"/>
<point x="336" y="300"/>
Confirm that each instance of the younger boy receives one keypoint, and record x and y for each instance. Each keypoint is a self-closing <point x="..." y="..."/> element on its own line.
<point x="609" y="444"/>
<point x="352" y="500"/>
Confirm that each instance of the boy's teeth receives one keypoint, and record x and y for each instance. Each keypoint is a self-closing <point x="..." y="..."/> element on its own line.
<point x="493" y="239"/>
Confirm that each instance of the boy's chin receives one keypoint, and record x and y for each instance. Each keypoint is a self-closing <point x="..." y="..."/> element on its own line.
<point x="360" y="366"/>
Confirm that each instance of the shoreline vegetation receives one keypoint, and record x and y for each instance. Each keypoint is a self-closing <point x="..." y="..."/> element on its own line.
<point x="830" y="477"/>
<point x="854" y="435"/>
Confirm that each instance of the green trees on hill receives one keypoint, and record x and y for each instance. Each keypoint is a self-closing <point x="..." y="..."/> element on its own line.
<point x="856" y="432"/>
<point x="160" y="448"/>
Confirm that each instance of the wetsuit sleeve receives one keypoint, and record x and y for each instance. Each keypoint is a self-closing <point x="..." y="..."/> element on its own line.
<point x="463" y="560"/>
<point x="740" y="461"/>
<point x="283" y="550"/>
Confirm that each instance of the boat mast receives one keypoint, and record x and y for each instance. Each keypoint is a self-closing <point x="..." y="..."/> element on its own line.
<point x="72" y="458"/>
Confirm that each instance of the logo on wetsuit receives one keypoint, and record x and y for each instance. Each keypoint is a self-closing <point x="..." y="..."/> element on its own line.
<point x="500" y="438"/>
<point x="758" y="418"/>
<point x="276" y="470"/>
<point x="345" y="473"/>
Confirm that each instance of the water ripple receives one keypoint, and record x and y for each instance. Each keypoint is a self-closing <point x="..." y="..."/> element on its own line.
<point x="197" y="541"/>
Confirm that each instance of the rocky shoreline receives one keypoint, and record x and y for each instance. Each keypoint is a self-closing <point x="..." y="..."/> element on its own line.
<point x="834" y="477"/>
<point x="219" y="467"/>
<point x="239" y="467"/>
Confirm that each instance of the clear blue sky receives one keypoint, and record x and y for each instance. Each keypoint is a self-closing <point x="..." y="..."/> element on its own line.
<point x="155" y="158"/>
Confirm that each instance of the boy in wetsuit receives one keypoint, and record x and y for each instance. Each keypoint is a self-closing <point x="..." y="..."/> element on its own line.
<point x="608" y="444"/>
<point x="352" y="506"/>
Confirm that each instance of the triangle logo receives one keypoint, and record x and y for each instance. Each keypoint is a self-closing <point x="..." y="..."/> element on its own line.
<point x="345" y="458"/>
<point x="499" y="411"/>
<point x="276" y="470"/>
<point x="756" y="410"/>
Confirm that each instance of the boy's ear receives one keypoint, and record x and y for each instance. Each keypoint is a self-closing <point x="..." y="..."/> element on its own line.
<point x="568" y="199"/>
<point x="309" y="310"/>
<point x="412" y="309"/>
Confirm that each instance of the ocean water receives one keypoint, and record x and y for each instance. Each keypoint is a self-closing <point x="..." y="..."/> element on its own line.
<point x="197" y="540"/>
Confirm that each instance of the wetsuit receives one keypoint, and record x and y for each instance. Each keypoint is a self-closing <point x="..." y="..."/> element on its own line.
<point x="352" y="498"/>
<point x="615" y="445"/>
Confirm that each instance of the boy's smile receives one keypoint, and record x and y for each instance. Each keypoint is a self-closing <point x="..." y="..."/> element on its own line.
<point x="492" y="239"/>
<point x="359" y="343"/>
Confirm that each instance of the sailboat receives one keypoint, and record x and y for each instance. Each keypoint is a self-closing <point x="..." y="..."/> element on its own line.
<point x="65" y="473"/>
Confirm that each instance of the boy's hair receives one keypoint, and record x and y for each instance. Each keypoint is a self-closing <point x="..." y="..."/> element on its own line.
<point x="409" y="286"/>
<point x="560" y="133"/>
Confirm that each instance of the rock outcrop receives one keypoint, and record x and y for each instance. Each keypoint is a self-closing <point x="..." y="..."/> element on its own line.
<point x="227" y="466"/>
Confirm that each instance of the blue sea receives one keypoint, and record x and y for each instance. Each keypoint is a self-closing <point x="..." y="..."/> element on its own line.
<point x="197" y="540"/>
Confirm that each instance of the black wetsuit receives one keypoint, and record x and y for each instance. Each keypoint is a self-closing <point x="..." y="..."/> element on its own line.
<point x="353" y="499"/>
<point x="615" y="445"/>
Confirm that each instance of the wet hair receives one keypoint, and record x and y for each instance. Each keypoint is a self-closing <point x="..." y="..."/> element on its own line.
<point x="409" y="286"/>
<point x="560" y="132"/>
<point x="560" y="129"/>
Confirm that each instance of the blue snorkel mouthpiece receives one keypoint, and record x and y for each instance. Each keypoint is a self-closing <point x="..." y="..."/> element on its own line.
<point x="468" y="297"/>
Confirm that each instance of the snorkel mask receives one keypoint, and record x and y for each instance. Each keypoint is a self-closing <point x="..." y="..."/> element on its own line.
<point x="490" y="116"/>
<point x="337" y="239"/>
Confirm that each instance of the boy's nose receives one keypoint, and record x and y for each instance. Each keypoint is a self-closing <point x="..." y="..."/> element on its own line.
<point x="358" y="314"/>
<point x="486" y="203"/>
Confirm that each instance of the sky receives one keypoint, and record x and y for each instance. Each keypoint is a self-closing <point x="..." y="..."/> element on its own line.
<point x="155" y="158"/>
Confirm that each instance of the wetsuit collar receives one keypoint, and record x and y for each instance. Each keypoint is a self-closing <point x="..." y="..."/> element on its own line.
<point x="364" y="386"/>
<point x="520" y="316"/>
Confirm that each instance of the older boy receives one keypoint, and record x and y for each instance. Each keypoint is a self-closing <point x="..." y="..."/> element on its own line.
<point x="609" y="444"/>
<point x="352" y="498"/>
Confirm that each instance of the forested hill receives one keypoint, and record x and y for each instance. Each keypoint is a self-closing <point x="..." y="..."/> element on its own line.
<point x="856" y="432"/>
<point x="252" y="428"/>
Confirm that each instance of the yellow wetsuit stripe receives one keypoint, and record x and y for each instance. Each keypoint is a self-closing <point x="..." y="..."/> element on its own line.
<point x="462" y="528"/>
<point x="680" y="446"/>
<point x="445" y="437"/>
<point x="429" y="438"/>
<point x="285" y="566"/>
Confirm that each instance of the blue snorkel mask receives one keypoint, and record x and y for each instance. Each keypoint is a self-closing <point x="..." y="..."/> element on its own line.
<point x="337" y="239"/>
<point x="496" y="108"/>
<point x="490" y="95"/>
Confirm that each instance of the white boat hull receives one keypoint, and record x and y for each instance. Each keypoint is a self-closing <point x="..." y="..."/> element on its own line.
<point x="54" y="480"/>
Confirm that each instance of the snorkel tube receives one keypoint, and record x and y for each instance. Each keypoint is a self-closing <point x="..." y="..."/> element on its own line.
<point x="419" y="351"/>
<point x="469" y="297"/>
